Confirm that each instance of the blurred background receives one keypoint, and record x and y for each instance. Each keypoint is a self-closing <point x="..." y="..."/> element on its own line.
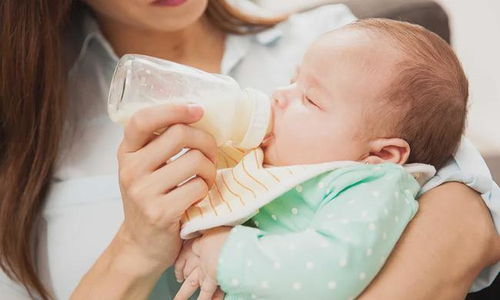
<point x="473" y="29"/>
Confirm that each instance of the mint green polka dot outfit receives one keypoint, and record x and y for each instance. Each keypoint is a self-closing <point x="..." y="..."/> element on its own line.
<point x="325" y="239"/>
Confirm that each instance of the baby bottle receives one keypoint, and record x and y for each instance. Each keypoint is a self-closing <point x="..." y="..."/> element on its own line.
<point x="231" y="113"/>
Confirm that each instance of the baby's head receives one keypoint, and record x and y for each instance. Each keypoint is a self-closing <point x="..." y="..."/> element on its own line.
<point x="370" y="92"/>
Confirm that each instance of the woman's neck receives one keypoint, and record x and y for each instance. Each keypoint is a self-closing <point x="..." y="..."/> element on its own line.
<point x="200" y="45"/>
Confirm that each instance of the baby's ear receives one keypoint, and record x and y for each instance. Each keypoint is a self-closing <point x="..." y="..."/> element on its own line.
<point x="394" y="150"/>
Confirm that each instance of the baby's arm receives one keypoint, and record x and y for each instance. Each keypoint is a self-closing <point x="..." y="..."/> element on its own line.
<point x="346" y="244"/>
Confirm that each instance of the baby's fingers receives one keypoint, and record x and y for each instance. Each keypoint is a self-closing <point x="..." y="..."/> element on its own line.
<point x="189" y="286"/>
<point x="219" y="295"/>
<point x="179" y="268"/>
<point x="207" y="289"/>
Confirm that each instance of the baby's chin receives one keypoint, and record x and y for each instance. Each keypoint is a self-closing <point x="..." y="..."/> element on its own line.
<point x="268" y="154"/>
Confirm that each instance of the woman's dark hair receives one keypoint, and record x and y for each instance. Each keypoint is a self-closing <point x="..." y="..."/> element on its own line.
<point x="32" y="111"/>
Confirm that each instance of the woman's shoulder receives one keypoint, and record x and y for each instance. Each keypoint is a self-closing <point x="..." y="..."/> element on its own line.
<point x="321" y="19"/>
<point x="267" y="59"/>
<point x="466" y="166"/>
<point x="304" y="27"/>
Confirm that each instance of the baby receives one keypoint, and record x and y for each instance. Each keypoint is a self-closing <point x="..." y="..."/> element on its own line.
<point x="366" y="99"/>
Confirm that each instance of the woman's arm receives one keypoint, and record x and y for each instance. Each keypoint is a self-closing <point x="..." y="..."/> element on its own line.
<point x="119" y="273"/>
<point x="155" y="192"/>
<point x="447" y="244"/>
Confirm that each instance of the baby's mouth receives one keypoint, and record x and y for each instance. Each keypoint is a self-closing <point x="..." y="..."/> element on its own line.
<point x="267" y="140"/>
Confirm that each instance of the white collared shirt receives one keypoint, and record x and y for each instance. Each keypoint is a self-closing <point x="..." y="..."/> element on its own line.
<point x="83" y="209"/>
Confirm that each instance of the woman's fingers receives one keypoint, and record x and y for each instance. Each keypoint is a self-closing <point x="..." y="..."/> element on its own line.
<point x="144" y="123"/>
<point x="179" y="199"/>
<point x="173" y="140"/>
<point x="189" y="286"/>
<point x="192" y="163"/>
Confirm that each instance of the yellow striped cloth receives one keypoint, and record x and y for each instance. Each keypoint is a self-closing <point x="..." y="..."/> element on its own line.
<point x="244" y="185"/>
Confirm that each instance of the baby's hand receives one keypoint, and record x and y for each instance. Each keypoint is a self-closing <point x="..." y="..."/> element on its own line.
<point x="187" y="270"/>
<point x="197" y="264"/>
<point x="186" y="262"/>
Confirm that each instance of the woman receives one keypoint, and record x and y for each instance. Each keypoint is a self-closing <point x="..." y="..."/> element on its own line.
<point x="60" y="215"/>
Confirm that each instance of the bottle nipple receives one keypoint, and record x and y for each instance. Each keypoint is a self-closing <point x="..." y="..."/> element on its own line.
<point x="259" y="123"/>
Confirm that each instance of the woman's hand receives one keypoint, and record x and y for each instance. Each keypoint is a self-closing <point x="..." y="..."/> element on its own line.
<point x="443" y="249"/>
<point x="156" y="191"/>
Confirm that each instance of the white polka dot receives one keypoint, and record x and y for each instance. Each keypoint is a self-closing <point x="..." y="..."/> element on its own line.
<point x="396" y="194"/>
<point x="375" y="194"/>
<point x="343" y="262"/>
<point x="369" y="252"/>
<point x="384" y="235"/>
<point x="332" y="285"/>
<point x="407" y="200"/>
<point x="239" y="245"/>
<point x="350" y="202"/>
<point x="396" y="219"/>
<point x="249" y="263"/>
<point x="345" y="221"/>
<point x="276" y="265"/>
<point x="408" y="192"/>
<point x="235" y="282"/>
<point x="297" y="286"/>
<point x="299" y="189"/>
<point x="362" y="275"/>
<point x="291" y="247"/>
<point x="323" y="244"/>
<point x="274" y="217"/>
<point x="364" y="214"/>
<point x="256" y="223"/>
<point x="372" y="226"/>
<point x="330" y="216"/>
<point x="221" y="261"/>
<point x="264" y="284"/>
<point x="386" y="211"/>
<point x="321" y="185"/>
<point x="295" y="211"/>
<point x="253" y="296"/>
<point x="309" y="265"/>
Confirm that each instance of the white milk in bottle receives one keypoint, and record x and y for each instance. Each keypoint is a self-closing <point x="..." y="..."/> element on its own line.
<point x="241" y="116"/>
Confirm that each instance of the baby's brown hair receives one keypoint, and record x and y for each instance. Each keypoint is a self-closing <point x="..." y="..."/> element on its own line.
<point x="428" y="94"/>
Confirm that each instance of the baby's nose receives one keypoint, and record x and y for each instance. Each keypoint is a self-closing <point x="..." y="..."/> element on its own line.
<point x="280" y="98"/>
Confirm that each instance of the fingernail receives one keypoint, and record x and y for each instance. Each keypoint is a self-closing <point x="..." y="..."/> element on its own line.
<point x="195" y="109"/>
<point x="180" y="280"/>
